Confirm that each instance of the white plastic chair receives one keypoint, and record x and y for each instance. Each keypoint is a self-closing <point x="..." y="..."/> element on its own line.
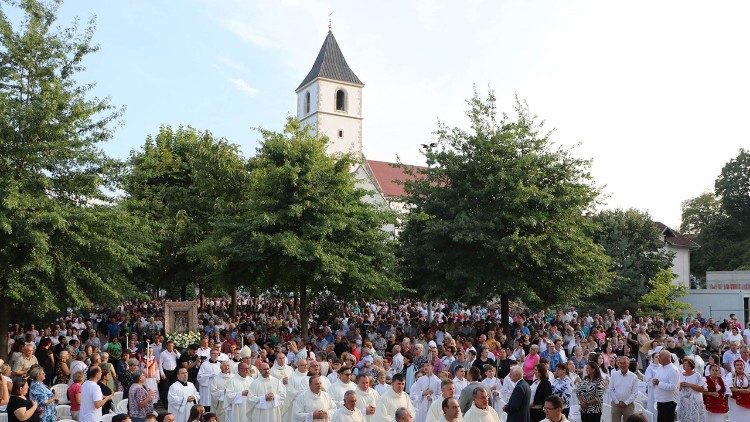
<point x="3" y="417"/>
<point x="122" y="406"/>
<point x="63" y="411"/>
<point x="108" y="417"/>
<point x="606" y="412"/>
<point x="61" y="392"/>
<point x="67" y="420"/>
<point x="116" y="398"/>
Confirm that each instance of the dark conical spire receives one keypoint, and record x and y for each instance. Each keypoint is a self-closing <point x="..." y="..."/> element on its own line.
<point x="331" y="64"/>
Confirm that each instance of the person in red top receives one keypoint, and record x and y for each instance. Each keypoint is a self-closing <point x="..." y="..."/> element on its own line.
<point x="713" y="397"/>
<point x="74" y="394"/>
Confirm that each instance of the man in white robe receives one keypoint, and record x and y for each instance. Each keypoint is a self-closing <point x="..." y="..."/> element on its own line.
<point x="281" y="370"/>
<point x="395" y="398"/>
<point x="267" y="394"/>
<point x="237" y="396"/>
<point x="367" y="398"/>
<point x="207" y="372"/>
<point x="343" y="385"/>
<point x="451" y="411"/>
<point x="246" y="355"/>
<point x="313" y="404"/>
<point x="313" y="370"/>
<point x="349" y="412"/>
<point x="480" y="410"/>
<point x="423" y="391"/>
<point x="435" y="412"/>
<point x="298" y="384"/>
<point x="218" y="392"/>
<point x="182" y="396"/>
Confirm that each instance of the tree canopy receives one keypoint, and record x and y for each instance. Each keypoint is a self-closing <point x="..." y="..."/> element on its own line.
<point x="179" y="183"/>
<point x="303" y="227"/>
<point x="501" y="211"/>
<point x="63" y="243"/>
<point x="632" y="241"/>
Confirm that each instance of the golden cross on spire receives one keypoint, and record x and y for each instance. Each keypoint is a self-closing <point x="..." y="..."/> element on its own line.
<point x="329" y="20"/>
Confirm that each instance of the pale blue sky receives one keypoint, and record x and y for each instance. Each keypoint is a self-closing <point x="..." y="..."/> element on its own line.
<point x="655" y="92"/>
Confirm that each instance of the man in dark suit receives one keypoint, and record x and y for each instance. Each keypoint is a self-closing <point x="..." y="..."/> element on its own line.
<point x="520" y="400"/>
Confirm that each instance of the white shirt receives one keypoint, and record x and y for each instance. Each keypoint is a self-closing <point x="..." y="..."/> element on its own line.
<point x="168" y="361"/>
<point x="90" y="392"/>
<point x="622" y="388"/>
<point x="669" y="383"/>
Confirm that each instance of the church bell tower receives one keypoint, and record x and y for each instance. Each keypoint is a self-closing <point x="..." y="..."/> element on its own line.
<point x="330" y="100"/>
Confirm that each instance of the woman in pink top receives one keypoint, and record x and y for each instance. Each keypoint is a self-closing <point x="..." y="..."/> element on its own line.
<point x="74" y="394"/>
<point x="532" y="359"/>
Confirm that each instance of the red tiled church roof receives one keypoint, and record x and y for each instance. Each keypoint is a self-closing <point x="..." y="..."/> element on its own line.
<point x="390" y="177"/>
<point x="675" y="238"/>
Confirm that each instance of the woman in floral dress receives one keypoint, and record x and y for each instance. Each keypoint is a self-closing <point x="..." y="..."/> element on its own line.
<point x="591" y="393"/>
<point x="562" y="386"/>
<point x="692" y="385"/>
<point x="42" y="395"/>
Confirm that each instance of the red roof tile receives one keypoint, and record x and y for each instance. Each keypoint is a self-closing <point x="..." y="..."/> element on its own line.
<point x="390" y="177"/>
<point x="675" y="238"/>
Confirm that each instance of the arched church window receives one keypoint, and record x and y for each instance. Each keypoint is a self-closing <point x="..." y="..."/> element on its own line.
<point x="340" y="100"/>
<point x="307" y="102"/>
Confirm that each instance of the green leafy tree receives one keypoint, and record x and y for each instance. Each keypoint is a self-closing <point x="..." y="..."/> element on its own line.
<point x="62" y="243"/>
<point x="304" y="228"/>
<point x="733" y="187"/>
<point x="699" y="212"/>
<point x="631" y="239"/>
<point x="501" y="212"/>
<point x="181" y="181"/>
<point x="664" y="297"/>
<point x="725" y="236"/>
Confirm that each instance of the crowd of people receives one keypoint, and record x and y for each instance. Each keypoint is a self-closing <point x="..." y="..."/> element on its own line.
<point x="379" y="362"/>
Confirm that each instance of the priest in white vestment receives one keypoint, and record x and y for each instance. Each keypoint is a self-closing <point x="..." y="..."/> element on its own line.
<point x="451" y="411"/>
<point x="435" y="412"/>
<point x="480" y="410"/>
<point x="280" y="369"/>
<point x="423" y="391"/>
<point x="182" y="396"/>
<point x="367" y="398"/>
<point x="267" y="394"/>
<point x="238" y="402"/>
<point x="343" y="385"/>
<point x="396" y="397"/>
<point x="313" y="370"/>
<point x="246" y="355"/>
<point x="218" y="392"/>
<point x="298" y="384"/>
<point x="207" y="372"/>
<point x="349" y="412"/>
<point x="313" y="404"/>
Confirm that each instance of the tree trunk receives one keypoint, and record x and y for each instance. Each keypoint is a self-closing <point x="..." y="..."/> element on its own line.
<point x="183" y="292"/>
<point x="200" y="296"/>
<point x="505" y="314"/>
<point x="304" y="310"/>
<point x="4" y="315"/>
<point x="233" y="306"/>
<point x="295" y="304"/>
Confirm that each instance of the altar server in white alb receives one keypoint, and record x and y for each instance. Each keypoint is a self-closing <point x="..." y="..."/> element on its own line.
<point x="239" y="402"/>
<point x="367" y="398"/>
<point x="182" y="396"/>
<point x="349" y="412"/>
<point x="267" y="394"/>
<point x="313" y="404"/>
<point x="424" y="390"/>
<point x="447" y="389"/>
<point x="392" y="400"/>
<point x="206" y="374"/>
<point x="218" y="392"/>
